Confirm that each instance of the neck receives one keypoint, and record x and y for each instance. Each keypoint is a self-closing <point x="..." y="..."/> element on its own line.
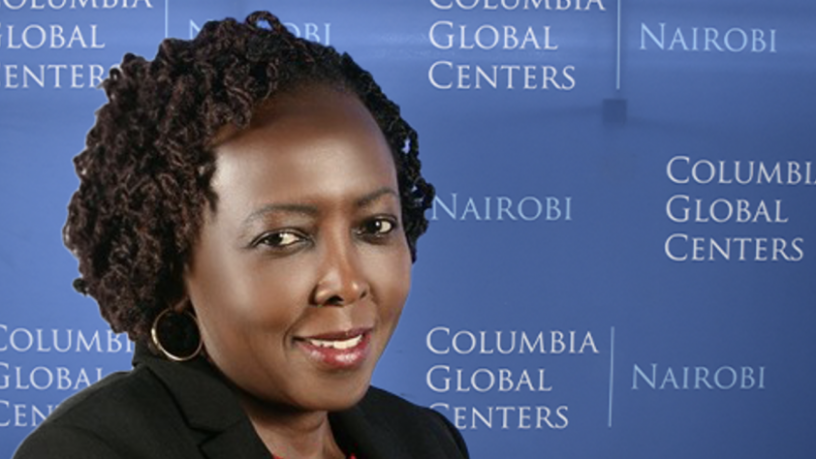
<point x="293" y="434"/>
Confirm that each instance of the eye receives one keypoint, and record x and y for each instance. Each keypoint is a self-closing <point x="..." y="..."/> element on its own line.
<point x="378" y="226"/>
<point x="280" y="239"/>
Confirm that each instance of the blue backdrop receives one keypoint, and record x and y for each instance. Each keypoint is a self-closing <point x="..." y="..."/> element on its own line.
<point x="621" y="256"/>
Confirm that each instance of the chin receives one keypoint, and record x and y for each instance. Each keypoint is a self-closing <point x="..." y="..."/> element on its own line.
<point x="342" y="396"/>
<point x="341" y="390"/>
<point x="333" y="400"/>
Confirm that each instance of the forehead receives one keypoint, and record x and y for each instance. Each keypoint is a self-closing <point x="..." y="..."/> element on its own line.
<point x="316" y="101"/>
<point x="316" y="141"/>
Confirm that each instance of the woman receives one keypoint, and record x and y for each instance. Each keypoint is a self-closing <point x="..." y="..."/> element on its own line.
<point x="248" y="213"/>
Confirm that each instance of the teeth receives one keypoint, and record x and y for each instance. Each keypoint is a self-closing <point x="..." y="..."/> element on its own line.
<point x="337" y="344"/>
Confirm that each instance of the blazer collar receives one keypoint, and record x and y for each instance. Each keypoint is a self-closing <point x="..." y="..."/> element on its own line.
<point x="208" y="406"/>
<point x="365" y="438"/>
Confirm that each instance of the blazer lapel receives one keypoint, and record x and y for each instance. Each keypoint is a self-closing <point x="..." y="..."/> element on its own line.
<point x="367" y="439"/>
<point x="208" y="406"/>
<point x="384" y="426"/>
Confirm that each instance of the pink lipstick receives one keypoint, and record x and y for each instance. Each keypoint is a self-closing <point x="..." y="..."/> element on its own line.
<point x="338" y="351"/>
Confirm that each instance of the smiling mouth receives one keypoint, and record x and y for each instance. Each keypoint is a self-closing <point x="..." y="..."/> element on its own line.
<point x="336" y="344"/>
<point x="343" y="351"/>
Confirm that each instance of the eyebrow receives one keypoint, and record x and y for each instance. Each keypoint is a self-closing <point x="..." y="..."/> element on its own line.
<point x="372" y="197"/>
<point x="311" y="211"/>
<point x="301" y="209"/>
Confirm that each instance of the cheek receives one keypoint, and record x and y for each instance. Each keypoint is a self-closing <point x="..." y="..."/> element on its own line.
<point x="259" y="295"/>
<point x="392" y="279"/>
<point x="235" y="294"/>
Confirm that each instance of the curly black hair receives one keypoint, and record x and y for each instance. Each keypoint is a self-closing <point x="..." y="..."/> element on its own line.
<point x="146" y="170"/>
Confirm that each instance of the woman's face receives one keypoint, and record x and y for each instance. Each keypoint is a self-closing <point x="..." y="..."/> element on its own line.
<point x="299" y="276"/>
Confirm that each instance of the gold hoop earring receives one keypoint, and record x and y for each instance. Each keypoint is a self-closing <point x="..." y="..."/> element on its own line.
<point x="182" y="329"/>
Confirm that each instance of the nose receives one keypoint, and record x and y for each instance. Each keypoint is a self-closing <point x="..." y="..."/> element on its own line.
<point x="341" y="281"/>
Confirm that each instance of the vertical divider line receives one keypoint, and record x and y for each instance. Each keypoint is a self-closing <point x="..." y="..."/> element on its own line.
<point x="611" y="369"/>
<point x="166" y="18"/>
<point x="618" y="64"/>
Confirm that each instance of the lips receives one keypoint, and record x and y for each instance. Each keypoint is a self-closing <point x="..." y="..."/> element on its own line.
<point x="337" y="351"/>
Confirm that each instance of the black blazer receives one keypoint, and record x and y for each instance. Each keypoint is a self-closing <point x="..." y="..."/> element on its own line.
<point x="164" y="409"/>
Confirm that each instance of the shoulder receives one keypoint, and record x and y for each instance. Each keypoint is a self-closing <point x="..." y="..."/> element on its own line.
<point x="413" y="423"/>
<point x="95" y="422"/>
